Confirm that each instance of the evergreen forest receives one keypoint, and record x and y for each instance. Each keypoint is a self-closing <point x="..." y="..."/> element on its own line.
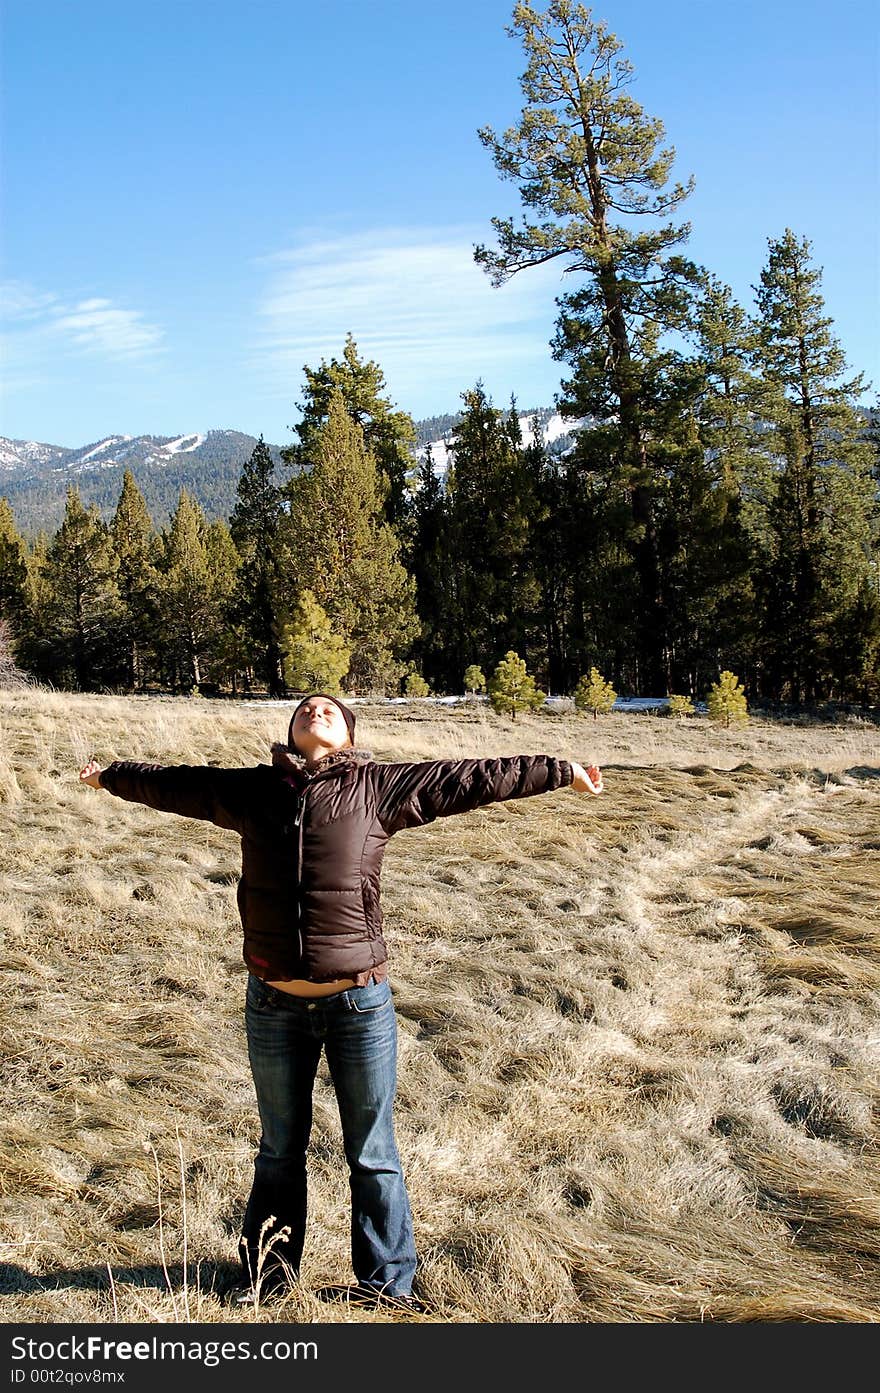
<point x="715" y="508"/>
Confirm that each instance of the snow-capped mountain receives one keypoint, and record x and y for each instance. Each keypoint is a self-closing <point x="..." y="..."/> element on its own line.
<point x="35" y="476"/>
<point x="30" y="458"/>
<point x="16" y="455"/>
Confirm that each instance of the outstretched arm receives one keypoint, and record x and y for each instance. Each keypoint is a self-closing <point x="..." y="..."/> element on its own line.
<point x="197" y="791"/>
<point x="410" y="795"/>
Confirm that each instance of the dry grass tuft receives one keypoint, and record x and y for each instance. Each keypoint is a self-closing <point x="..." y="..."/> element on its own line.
<point x="638" y="1035"/>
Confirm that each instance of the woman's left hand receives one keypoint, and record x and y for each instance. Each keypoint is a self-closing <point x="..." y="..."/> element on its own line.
<point x="587" y="780"/>
<point x="89" y="774"/>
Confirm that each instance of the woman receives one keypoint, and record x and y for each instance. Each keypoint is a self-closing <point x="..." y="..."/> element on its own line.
<point x="314" y="825"/>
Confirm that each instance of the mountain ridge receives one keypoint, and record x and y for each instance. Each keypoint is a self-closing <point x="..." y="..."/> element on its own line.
<point x="35" y="475"/>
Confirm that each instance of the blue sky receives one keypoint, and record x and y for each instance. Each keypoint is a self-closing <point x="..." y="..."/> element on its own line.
<point x="201" y="196"/>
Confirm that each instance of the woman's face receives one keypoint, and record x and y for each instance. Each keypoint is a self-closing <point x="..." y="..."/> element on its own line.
<point x="319" y="728"/>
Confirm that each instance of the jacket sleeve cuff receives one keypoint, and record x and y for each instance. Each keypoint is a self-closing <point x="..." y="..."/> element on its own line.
<point x="566" y="773"/>
<point x="103" y="780"/>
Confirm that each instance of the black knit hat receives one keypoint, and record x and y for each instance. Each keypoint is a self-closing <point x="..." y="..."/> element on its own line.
<point x="347" y="713"/>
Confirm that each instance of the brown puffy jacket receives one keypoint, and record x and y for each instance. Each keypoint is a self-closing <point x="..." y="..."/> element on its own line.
<point x="312" y="840"/>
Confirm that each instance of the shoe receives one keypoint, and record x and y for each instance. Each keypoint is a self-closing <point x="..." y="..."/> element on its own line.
<point x="241" y="1296"/>
<point x="404" y="1301"/>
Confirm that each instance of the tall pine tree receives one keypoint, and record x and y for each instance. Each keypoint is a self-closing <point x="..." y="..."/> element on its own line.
<point x="36" y="644"/>
<point x="429" y="566"/>
<point x="258" y="604"/>
<point x="138" y="553"/>
<point x="223" y="655"/>
<point x="84" y="605"/>
<point x="490" y="503"/>
<point x="740" y="482"/>
<point x="822" y="563"/>
<point x="589" y="164"/>
<point x="339" y="545"/>
<point x="186" y="607"/>
<point x="13" y="569"/>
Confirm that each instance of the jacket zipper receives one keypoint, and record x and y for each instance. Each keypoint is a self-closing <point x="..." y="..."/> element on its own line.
<point x="297" y="822"/>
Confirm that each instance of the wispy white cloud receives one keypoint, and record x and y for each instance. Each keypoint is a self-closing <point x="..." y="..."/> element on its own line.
<point x="21" y="303"/>
<point x="98" y="326"/>
<point x="39" y="327"/>
<point x="415" y="301"/>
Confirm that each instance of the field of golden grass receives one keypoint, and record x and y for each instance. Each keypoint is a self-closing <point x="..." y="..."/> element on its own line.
<point x="639" y="1034"/>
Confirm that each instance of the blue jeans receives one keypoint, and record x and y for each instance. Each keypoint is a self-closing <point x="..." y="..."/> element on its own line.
<point x="286" y="1034"/>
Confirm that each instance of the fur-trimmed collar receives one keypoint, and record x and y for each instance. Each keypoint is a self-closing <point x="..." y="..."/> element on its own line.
<point x="291" y="761"/>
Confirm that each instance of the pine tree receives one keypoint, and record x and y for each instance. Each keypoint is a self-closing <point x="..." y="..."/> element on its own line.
<point x="138" y="553"/>
<point x="731" y="397"/>
<point x="13" y="569"/>
<point x="473" y="680"/>
<point x="414" y="685"/>
<point x="314" y="657"/>
<point x="734" y="531"/>
<point x="822" y="563"/>
<point x="588" y="162"/>
<point x="680" y="706"/>
<point x="390" y="435"/>
<point x="36" y="646"/>
<point x="84" y="606"/>
<point x="512" y="689"/>
<point x="428" y="564"/>
<point x="259" y="604"/>
<point x="575" y="568"/>
<point x="186" y="604"/>
<point x="489" y="503"/>
<point x="338" y="545"/>
<point x="594" y="694"/>
<point x="223" y="654"/>
<point x="854" y="648"/>
<point x="727" y="701"/>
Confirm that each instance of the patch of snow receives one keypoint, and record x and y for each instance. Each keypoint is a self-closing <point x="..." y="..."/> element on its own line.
<point x="179" y="447"/>
<point x="16" y="453"/>
<point x="551" y="430"/>
<point x="556" y="426"/>
<point x="440" y="457"/>
<point x="552" y="702"/>
<point x="640" y="703"/>
<point x="104" y="445"/>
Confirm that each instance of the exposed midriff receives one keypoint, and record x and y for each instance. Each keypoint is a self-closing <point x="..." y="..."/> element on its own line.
<point x="299" y="986"/>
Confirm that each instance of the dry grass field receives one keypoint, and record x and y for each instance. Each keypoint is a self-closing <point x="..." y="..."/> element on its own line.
<point x="639" y="1033"/>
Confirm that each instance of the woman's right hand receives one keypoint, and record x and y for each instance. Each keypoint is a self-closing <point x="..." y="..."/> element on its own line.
<point x="89" y="774"/>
